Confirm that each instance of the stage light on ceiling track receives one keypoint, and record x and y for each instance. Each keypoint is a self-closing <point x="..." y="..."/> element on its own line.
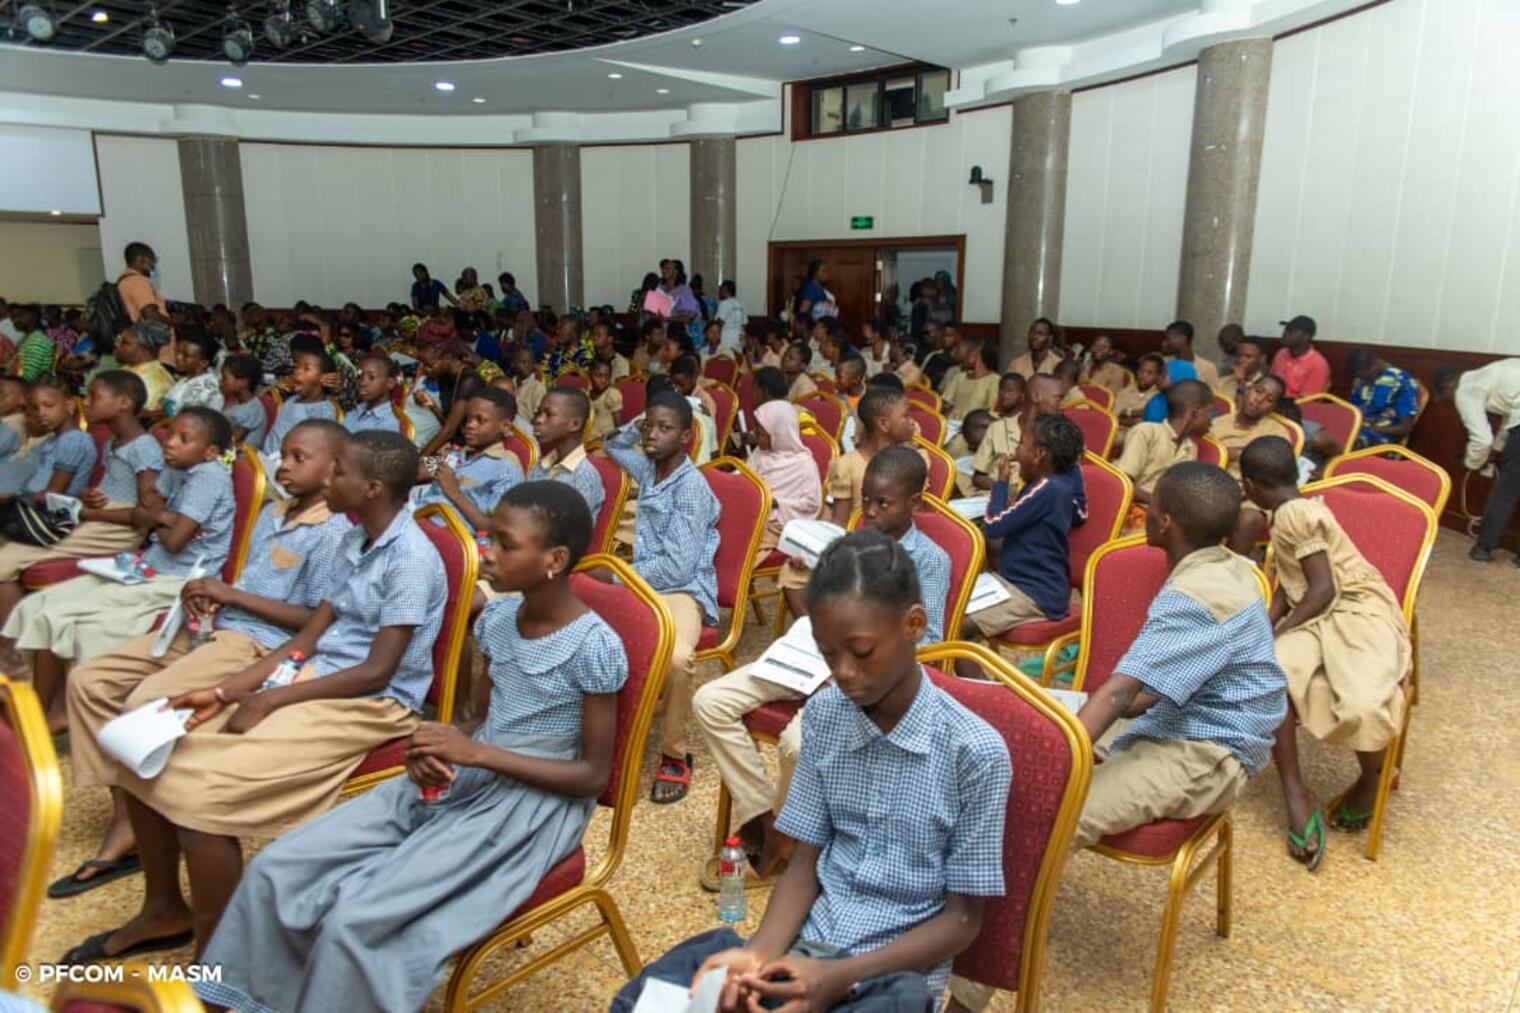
<point x="372" y="19"/>
<point x="37" y="21"/>
<point x="100" y="17"/>
<point x="323" y="15"/>
<point x="280" y="27"/>
<point x="157" y="39"/>
<point x="237" y="41"/>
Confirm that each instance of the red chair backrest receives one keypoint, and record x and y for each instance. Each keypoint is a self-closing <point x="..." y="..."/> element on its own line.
<point x="728" y="405"/>
<point x="245" y="483"/>
<point x="1098" y="394"/>
<point x="742" y="508"/>
<point x="828" y="412"/>
<point x="823" y="453"/>
<point x="1422" y="481"/>
<point x="456" y="568"/>
<point x="16" y="789"/>
<point x="941" y="474"/>
<point x="1041" y="758"/>
<point x="931" y="424"/>
<point x="1125" y="581"/>
<point x="749" y="399"/>
<point x="570" y="378"/>
<point x="824" y="384"/>
<point x="1222" y="405"/>
<point x="926" y="398"/>
<point x="1208" y="451"/>
<point x="100" y="433"/>
<point x="520" y="448"/>
<point x="1390" y="532"/>
<point x="722" y="368"/>
<point x="1097" y="427"/>
<point x="1108" y="500"/>
<point x="271" y="409"/>
<point x="1337" y="419"/>
<point x="634" y="397"/>
<point x="638" y="626"/>
<point x="960" y="545"/>
<point x="613" y="479"/>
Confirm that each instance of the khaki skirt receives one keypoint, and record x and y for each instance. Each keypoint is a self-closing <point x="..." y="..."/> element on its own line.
<point x="89" y="615"/>
<point x="92" y="538"/>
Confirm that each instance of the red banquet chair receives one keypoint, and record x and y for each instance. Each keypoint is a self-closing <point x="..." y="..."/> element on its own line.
<point x="727" y="403"/>
<point x="941" y="480"/>
<point x="745" y="506"/>
<point x="925" y="398"/>
<point x="1042" y="812"/>
<point x="823" y="382"/>
<point x="824" y="449"/>
<point x="827" y="410"/>
<point x="522" y="446"/>
<point x="1122" y="578"/>
<point x="749" y="399"/>
<point x="571" y="378"/>
<point x="1341" y="419"/>
<point x="137" y="992"/>
<point x="1098" y="425"/>
<point x="1210" y="450"/>
<point x="1109" y="494"/>
<point x="456" y="546"/>
<point x="1395" y="532"/>
<point x="723" y="368"/>
<point x="269" y="400"/>
<point x="1098" y="395"/>
<point x="634" y="397"/>
<point x="931" y="424"/>
<point x="643" y="623"/>
<point x="614" y="496"/>
<point x="32" y="787"/>
<point x="1224" y="405"/>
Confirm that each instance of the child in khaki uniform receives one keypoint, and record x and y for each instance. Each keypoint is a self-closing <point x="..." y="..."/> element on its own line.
<point x="1201" y="681"/>
<point x="606" y="401"/>
<point x="1341" y="640"/>
<point x="1252" y="419"/>
<point x="1153" y="447"/>
<point x="1018" y="403"/>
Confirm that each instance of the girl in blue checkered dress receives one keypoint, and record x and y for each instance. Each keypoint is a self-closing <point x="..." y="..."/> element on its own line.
<point x="363" y="907"/>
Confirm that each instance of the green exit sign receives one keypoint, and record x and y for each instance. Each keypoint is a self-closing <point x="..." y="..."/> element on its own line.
<point x="862" y="222"/>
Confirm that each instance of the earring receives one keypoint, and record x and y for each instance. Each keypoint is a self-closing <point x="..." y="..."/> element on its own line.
<point x="548" y="574"/>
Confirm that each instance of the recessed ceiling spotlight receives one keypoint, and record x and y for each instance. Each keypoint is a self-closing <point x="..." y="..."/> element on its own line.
<point x="789" y="40"/>
<point x="1067" y="3"/>
<point x="695" y="43"/>
<point x="100" y="17"/>
<point x="444" y="85"/>
<point x="857" y="49"/>
<point x="255" y="96"/>
<point x="614" y="76"/>
<point x="55" y="213"/>
<point x="38" y="22"/>
<point x="232" y="82"/>
<point x="478" y="100"/>
<point x="662" y="91"/>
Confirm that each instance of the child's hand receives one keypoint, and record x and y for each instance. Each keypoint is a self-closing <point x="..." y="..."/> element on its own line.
<point x="250" y="712"/>
<point x="423" y="398"/>
<point x="442" y="742"/>
<point x="1005" y="467"/>
<point x="796" y="564"/>
<point x="740" y="962"/>
<point x="204" y="595"/>
<point x="798" y="983"/>
<point x="447" y="480"/>
<point x="429" y="772"/>
<point x="94" y="499"/>
<point x="331" y="381"/>
<point x="204" y="702"/>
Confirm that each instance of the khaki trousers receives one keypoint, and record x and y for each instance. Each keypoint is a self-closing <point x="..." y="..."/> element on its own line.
<point x="678" y="689"/>
<point x="718" y="710"/>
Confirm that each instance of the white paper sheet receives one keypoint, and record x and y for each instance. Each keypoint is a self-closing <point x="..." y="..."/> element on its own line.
<point x="973" y="508"/>
<point x="106" y="567"/>
<point x="176" y="617"/>
<point x="952" y="430"/>
<point x="793" y="661"/>
<point x="1070" y="699"/>
<point x="986" y="592"/>
<point x="142" y="739"/>
<point x="667" y="997"/>
<point x="808" y="538"/>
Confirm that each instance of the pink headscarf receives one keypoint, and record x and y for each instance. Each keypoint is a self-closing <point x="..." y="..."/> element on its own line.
<point x="788" y="467"/>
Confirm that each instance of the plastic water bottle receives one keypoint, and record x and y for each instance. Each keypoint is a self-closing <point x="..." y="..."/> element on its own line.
<point x="432" y="794"/>
<point x="482" y="541"/>
<point x="285" y="673"/>
<point x="733" y="904"/>
<point x="131" y="565"/>
<point x="454" y="458"/>
<point x="199" y="629"/>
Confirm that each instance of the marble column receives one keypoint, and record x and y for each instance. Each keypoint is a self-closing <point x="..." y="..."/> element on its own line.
<point x="713" y="210"/>
<point x="1224" y="168"/>
<point x="211" y="176"/>
<point x="1036" y="215"/>
<point x="557" y="224"/>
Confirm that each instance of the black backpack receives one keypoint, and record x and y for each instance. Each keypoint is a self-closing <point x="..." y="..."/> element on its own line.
<point x="106" y="315"/>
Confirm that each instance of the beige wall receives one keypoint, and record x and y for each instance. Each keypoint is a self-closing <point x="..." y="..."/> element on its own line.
<point x="46" y="262"/>
<point x="635" y="212"/>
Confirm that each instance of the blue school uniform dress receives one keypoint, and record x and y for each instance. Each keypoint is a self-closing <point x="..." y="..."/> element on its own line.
<point x="1036" y="532"/>
<point x="204" y="494"/>
<point x="118" y="480"/>
<point x="484" y="479"/>
<point x="933" y="566"/>
<point x="367" y="417"/>
<point x="675" y="535"/>
<point x="292" y="413"/>
<point x="576" y="471"/>
<point x="250" y="416"/>
<point x="72" y="451"/>
<point x="290" y="557"/>
<point x="363" y="908"/>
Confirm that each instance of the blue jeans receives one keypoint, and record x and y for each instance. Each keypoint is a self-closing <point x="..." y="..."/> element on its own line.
<point x="901" y="992"/>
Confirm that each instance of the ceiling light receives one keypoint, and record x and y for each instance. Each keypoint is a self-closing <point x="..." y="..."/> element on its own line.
<point x="662" y="91"/>
<point x="696" y="42"/>
<point x="1068" y="3"/>
<point x="255" y="96"/>
<point x="280" y="27"/>
<point x="157" y="40"/>
<point x="789" y="40"/>
<point x="444" y="85"/>
<point x="323" y="15"/>
<point x="232" y="82"/>
<point x="38" y="22"/>
<point x="55" y="213"/>
<point x="614" y="76"/>
<point x="237" y="43"/>
<point x="857" y="49"/>
<point x="478" y="100"/>
<point x="372" y="18"/>
<point x="100" y="17"/>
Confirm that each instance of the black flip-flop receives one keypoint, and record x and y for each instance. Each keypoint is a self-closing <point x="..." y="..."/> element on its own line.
<point x="93" y="949"/>
<point x="72" y="886"/>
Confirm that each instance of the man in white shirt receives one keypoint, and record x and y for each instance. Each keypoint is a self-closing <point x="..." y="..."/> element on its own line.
<point x="731" y="313"/>
<point x="1477" y="392"/>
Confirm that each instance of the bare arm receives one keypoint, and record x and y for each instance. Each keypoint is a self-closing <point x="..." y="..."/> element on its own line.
<point x="1317" y="597"/>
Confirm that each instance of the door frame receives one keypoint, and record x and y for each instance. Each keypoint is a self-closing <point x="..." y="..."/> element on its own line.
<point x="957" y="240"/>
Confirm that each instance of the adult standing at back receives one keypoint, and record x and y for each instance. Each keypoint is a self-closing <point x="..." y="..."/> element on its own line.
<point x="140" y="298"/>
<point x="814" y="300"/>
<point x="1300" y="365"/>
<point x="427" y="290"/>
<point x="684" y="307"/>
<point x="1477" y="392"/>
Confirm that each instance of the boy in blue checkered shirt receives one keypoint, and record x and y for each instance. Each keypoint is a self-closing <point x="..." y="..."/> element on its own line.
<point x="897" y="808"/>
<point x="1201" y="683"/>
<point x="472" y="486"/>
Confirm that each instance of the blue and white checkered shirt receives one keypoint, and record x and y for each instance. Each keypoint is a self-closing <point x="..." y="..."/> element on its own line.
<point x="903" y="818"/>
<point x="396" y="581"/>
<point x="577" y="471"/>
<point x="123" y="464"/>
<point x="484" y="479"/>
<point x="204" y="494"/>
<point x="289" y="560"/>
<point x="675" y="536"/>
<point x="933" y="566"/>
<point x="72" y="451"/>
<point x="539" y="686"/>
<point x="1215" y="675"/>
<point x="291" y="414"/>
<point x="250" y="416"/>
<point x="366" y="417"/>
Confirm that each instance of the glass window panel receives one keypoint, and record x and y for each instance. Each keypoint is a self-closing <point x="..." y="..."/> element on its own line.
<point x="828" y="110"/>
<point x="860" y="106"/>
<point x="932" y="85"/>
<point x="898" y="101"/>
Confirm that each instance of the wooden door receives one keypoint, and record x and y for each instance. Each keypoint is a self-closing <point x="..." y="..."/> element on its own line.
<point x="852" y="278"/>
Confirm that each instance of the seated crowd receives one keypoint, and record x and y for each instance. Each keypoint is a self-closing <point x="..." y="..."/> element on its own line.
<point x="308" y="641"/>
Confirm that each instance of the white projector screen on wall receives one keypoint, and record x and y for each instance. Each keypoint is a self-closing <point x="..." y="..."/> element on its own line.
<point x="46" y="169"/>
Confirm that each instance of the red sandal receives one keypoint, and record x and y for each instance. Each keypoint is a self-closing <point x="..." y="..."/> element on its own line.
<point x="671" y="771"/>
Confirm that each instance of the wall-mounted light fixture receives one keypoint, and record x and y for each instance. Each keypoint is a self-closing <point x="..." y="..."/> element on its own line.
<point x="978" y="180"/>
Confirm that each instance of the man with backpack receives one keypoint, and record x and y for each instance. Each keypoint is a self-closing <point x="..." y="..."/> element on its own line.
<point x="133" y="300"/>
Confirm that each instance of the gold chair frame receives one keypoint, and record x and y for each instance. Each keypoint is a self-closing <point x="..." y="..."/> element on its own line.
<point x="24" y="712"/>
<point x="948" y="486"/>
<point x="724" y="649"/>
<point x="1356" y="416"/>
<point x="134" y="991"/>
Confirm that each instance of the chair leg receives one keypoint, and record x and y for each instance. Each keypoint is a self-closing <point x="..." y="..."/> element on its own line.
<point x="1414" y="661"/>
<point x="1176" y="892"/>
<point x="618" y="931"/>
<point x="1391" y="760"/>
<point x="1224" y="878"/>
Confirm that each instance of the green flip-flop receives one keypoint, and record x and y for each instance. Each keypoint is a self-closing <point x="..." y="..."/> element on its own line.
<point x="1314" y="828"/>
<point x="1348" y="820"/>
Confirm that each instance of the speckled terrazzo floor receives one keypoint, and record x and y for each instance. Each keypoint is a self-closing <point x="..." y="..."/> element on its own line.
<point x="1434" y="924"/>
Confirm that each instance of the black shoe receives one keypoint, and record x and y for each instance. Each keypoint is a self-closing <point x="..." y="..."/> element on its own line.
<point x="1516" y="560"/>
<point x="1479" y="554"/>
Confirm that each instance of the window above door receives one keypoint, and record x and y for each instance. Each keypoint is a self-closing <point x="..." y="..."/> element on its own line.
<point x="891" y="99"/>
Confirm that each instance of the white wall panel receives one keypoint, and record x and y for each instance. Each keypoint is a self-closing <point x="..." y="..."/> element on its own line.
<point x="635" y="211"/>
<point x="1389" y="206"/>
<point x="46" y="169"/>
<point x="913" y="182"/>
<point x="332" y="224"/>
<point x="1126" y="187"/>
<point x="144" y="202"/>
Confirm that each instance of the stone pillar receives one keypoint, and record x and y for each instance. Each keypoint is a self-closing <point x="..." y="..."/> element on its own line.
<point x="713" y="210"/>
<point x="1224" y="168"/>
<point x="557" y="224"/>
<point x="211" y="175"/>
<point x="1036" y="215"/>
